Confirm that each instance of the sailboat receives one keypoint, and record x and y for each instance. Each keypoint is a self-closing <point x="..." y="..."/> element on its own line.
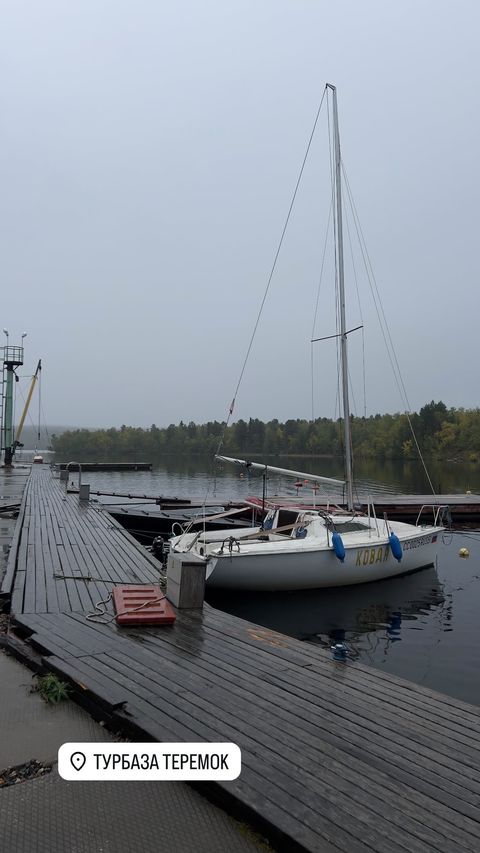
<point x="307" y="548"/>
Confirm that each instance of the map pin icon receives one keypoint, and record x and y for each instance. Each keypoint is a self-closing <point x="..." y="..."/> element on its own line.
<point x="77" y="759"/>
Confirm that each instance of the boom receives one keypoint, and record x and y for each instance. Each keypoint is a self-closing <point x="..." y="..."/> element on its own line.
<point x="313" y="478"/>
<point x="17" y="442"/>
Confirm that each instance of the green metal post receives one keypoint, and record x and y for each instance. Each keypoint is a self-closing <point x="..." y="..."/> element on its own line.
<point x="8" y="416"/>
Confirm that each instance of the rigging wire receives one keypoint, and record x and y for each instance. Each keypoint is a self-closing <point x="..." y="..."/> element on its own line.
<point x="318" y="299"/>
<point x="385" y="329"/>
<point x="45" y="427"/>
<point x="354" y="268"/>
<point x="277" y="253"/>
<point x="267" y="288"/>
<point x="376" y="295"/>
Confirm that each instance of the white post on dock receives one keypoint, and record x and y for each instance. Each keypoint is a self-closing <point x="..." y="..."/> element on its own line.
<point x="185" y="581"/>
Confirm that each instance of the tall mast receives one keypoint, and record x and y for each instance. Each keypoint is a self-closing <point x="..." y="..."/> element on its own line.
<point x="341" y="287"/>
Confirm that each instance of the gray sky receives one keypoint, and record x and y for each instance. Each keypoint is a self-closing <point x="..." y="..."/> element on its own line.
<point x="148" y="155"/>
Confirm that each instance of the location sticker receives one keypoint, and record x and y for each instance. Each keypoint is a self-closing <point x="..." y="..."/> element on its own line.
<point x="81" y="762"/>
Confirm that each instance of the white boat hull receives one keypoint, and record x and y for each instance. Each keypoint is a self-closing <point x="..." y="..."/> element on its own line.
<point x="319" y="567"/>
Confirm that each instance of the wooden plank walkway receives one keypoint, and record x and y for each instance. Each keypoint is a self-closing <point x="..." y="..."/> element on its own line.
<point x="106" y="466"/>
<point x="464" y="508"/>
<point x="12" y="495"/>
<point x="336" y="757"/>
<point x="74" y="552"/>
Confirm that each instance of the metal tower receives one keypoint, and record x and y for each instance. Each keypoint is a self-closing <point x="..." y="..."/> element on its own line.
<point x="12" y="358"/>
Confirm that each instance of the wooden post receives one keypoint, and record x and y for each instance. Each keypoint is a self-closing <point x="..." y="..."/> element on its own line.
<point x="185" y="580"/>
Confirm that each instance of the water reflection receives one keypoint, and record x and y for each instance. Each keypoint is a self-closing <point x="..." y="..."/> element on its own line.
<point x="342" y="614"/>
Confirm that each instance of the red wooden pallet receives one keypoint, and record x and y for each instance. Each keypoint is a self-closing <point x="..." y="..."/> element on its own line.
<point x="142" y="605"/>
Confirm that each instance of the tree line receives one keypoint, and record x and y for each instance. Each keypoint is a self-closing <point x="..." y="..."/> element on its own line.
<point x="440" y="433"/>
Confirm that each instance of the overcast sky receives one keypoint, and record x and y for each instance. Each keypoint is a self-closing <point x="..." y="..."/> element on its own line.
<point x="148" y="155"/>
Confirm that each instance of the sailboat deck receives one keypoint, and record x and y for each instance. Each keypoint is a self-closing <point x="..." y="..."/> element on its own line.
<point x="335" y="757"/>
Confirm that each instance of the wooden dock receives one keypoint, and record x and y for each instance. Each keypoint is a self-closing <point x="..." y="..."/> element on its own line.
<point x="464" y="508"/>
<point x="106" y="466"/>
<point x="335" y="757"/>
<point x="12" y="487"/>
<point x="12" y="484"/>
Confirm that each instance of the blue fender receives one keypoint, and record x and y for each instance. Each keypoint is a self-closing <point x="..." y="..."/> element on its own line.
<point x="396" y="546"/>
<point x="338" y="546"/>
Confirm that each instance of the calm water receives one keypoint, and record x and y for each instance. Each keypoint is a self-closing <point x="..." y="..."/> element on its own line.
<point x="423" y="627"/>
<point x="183" y="476"/>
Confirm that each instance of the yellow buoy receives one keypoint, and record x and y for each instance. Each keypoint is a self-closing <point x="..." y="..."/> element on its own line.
<point x="464" y="552"/>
